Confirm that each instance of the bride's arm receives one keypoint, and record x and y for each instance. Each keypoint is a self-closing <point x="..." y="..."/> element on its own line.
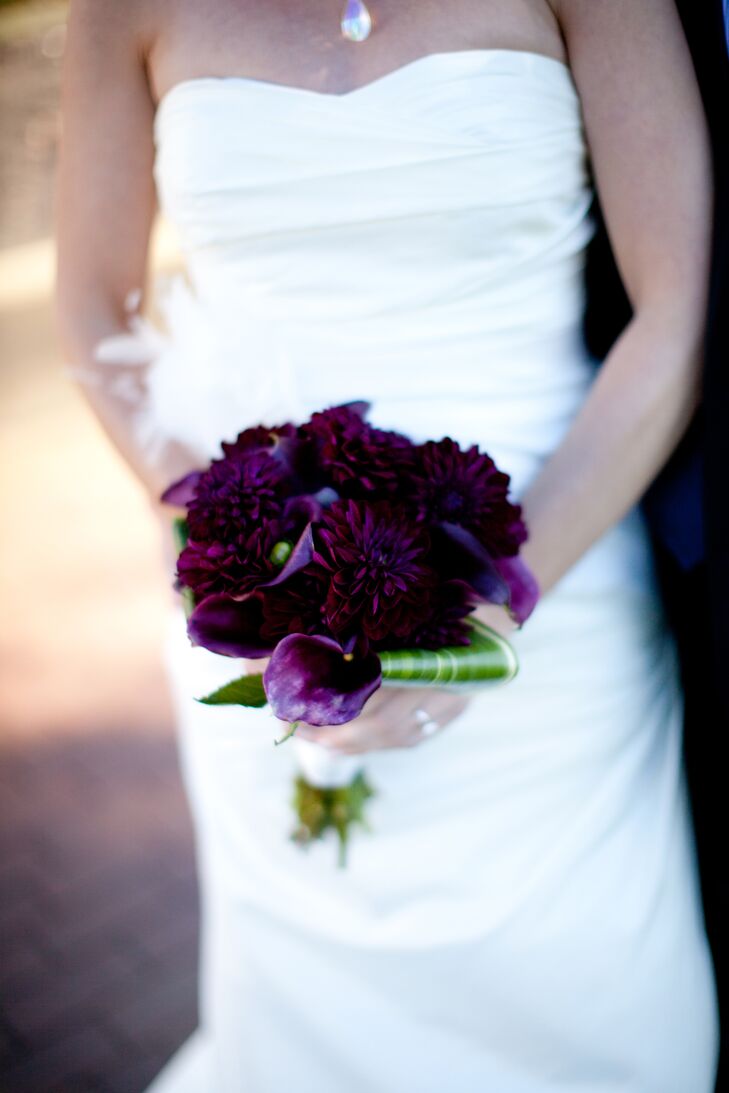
<point x="651" y="159"/>
<point x="105" y="205"/>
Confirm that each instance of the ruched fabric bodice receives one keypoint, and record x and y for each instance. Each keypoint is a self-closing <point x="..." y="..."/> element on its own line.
<point x="457" y="201"/>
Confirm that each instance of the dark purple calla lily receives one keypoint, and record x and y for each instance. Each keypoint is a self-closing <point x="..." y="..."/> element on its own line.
<point x="524" y="590"/>
<point x="311" y="679"/>
<point x="357" y="406"/>
<point x="279" y="441"/>
<point x="310" y="505"/>
<point x="282" y="447"/>
<point x="182" y="492"/>
<point x="286" y="450"/>
<point x="467" y="560"/>
<point x="300" y="556"/>
<point x="231" y="627"/>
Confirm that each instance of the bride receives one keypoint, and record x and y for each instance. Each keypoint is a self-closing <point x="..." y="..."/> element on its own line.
<point x="401" y="216"/>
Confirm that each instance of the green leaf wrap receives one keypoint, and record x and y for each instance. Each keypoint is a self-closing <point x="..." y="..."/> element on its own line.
<point x="488" y="659"/>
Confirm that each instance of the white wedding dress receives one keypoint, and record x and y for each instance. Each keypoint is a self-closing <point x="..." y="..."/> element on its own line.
<point x="524" y="915"/>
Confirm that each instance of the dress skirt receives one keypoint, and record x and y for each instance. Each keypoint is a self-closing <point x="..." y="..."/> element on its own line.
<point x="523" y="916"/>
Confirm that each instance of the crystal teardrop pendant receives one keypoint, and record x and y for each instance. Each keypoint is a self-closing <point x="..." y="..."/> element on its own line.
<point x="356" y="21"/>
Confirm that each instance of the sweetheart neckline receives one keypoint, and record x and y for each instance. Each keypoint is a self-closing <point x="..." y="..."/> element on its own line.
<point x="530" y="56"/>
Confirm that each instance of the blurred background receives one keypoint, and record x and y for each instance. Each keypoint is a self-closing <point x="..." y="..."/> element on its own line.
<point x="98" y="908"/>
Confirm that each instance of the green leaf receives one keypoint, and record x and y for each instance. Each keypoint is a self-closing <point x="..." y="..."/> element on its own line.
<point x="188" y="601"/>
<point x="488" y="659"/>
<point x="179" y="536"/>
<point x="337" y="809"/>
<point x="246" y="691"/>
<point x="180" y="532"/>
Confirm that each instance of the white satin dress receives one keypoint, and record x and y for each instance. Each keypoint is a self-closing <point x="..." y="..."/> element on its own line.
<point x="525" y="915"/>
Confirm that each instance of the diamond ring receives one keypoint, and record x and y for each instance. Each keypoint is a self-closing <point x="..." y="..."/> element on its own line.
<point x="428" y="725"/>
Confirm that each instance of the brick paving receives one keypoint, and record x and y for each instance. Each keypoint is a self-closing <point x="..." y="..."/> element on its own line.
<point x="98" y="920"/>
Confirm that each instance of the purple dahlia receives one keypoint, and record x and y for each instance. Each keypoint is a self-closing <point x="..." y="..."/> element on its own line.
<point x="449" y="606"/>
<point x="281" y="442"/>
<point x="234" y="567"/>
<point x="379" y="578"/>
<point x="465" y="488"/>
<point x="234" y="495"/>
<point x="357" y="459"/>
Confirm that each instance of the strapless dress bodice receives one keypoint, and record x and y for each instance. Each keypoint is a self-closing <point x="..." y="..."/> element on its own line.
<point x="418" y="242"/>
<point x="456" y="181"/>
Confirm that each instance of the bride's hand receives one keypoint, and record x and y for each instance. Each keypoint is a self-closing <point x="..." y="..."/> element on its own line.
<point x="394" y="716"/>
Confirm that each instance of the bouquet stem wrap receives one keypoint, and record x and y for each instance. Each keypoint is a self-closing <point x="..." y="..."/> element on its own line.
<point x="324" y="769"/>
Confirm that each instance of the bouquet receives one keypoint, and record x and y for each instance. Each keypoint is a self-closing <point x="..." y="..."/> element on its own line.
<point x="350" y="557"/>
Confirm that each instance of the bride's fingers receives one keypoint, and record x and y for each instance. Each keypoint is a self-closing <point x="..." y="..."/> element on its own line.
<point x="387" y="714"/>
<point x="351" y="731"/>
<point x="371" y="725"/>
<point x="397" y="722"/>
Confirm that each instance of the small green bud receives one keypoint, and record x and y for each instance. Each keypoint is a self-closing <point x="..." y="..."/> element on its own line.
<point x="281" y="552"/>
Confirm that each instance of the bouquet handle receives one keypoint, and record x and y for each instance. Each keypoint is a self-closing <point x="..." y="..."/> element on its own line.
<point x="323" y="768"/>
